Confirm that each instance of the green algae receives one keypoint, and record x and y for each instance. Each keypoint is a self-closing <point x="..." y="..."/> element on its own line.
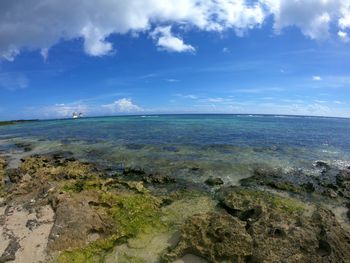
<point x="137" y="213"/>
<point x="283" y="204"/>
<point x="134" y="214"/>
<point x="93" y="253"/>
<point x="81" y="185"/>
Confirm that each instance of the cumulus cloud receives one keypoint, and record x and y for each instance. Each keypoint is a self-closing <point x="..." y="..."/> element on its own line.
<point x="123" y="105"/>
<point x="167" y="41"/>
<point x="39" y="24"/>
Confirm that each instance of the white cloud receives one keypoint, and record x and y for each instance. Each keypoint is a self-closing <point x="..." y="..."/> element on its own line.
<point x="166" y="40"/>
<point x="343" y="36"/>
<point x="316" y="78"/>
<point x="94" y="41"/>
<point x="39" y="24"/>
<point x="123" y="105"/>
<point x="313" y="17"/>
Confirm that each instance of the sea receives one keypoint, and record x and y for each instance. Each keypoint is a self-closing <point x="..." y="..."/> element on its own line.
<point x="190" y="147"/>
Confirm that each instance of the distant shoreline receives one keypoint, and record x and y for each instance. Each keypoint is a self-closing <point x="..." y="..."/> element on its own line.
<point x="3" y="123"/>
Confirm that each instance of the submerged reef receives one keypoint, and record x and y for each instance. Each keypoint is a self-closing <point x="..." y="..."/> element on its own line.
<point x="55" y="208"/>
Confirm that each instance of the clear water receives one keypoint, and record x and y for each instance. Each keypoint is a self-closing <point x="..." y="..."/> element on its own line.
<point x="190" y="146"/>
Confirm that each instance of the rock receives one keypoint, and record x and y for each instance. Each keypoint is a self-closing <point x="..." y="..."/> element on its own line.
<point x="309" y="187"/>
<point x="32" y="224"/>
<point x="76" y="220"/>
<point x="211" y="181"/>
<point x="10" y="251"/>
<point x="138" y="186"/>
<point x="322" y="165"/>
<point x="158" y="179"/>
<point x="258" y="226"/>
<point x="344" y="175"/>
<point x="215" y="237"/>
<point x="330" y="193"/>
<point x="14" y="175"/>
<point x="267" y="171"/>
<point x="133" y="172"/>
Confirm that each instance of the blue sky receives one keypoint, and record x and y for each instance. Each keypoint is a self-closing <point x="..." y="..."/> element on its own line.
<point x="269" y="65"/>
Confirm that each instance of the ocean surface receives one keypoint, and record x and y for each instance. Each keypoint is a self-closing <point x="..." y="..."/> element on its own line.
<point x="192" y="147"/>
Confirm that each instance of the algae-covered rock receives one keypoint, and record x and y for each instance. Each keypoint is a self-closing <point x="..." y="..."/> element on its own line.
<point x="57" y="168"/>
<point x="217" y="237"/>
<point x="257" y="226"/>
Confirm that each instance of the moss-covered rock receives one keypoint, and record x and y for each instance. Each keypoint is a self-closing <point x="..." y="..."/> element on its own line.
<point x="135" y="213"/>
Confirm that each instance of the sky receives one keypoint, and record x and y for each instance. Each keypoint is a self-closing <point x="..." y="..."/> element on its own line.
<point x="112" y="57"/>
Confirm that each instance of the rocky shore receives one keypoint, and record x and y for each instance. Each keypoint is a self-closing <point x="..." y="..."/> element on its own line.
<point x="54" y="208"/>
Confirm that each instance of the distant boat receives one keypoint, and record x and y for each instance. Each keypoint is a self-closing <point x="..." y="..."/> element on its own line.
<point x="75" y="115"/>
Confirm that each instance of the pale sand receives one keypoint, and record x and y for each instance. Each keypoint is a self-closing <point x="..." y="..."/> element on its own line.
<point x="31" y="236"/>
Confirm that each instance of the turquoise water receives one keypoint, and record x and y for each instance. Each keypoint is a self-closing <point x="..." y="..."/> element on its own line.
<point x="189" y="146"/>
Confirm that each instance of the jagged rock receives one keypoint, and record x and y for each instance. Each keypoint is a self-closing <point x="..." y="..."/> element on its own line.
<point x="214" y="236"/>
<point x="211" y="181"/>
<point x="262" y="227"/>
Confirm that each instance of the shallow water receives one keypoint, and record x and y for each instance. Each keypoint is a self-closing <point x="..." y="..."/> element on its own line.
<point x="189" y="146"/>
